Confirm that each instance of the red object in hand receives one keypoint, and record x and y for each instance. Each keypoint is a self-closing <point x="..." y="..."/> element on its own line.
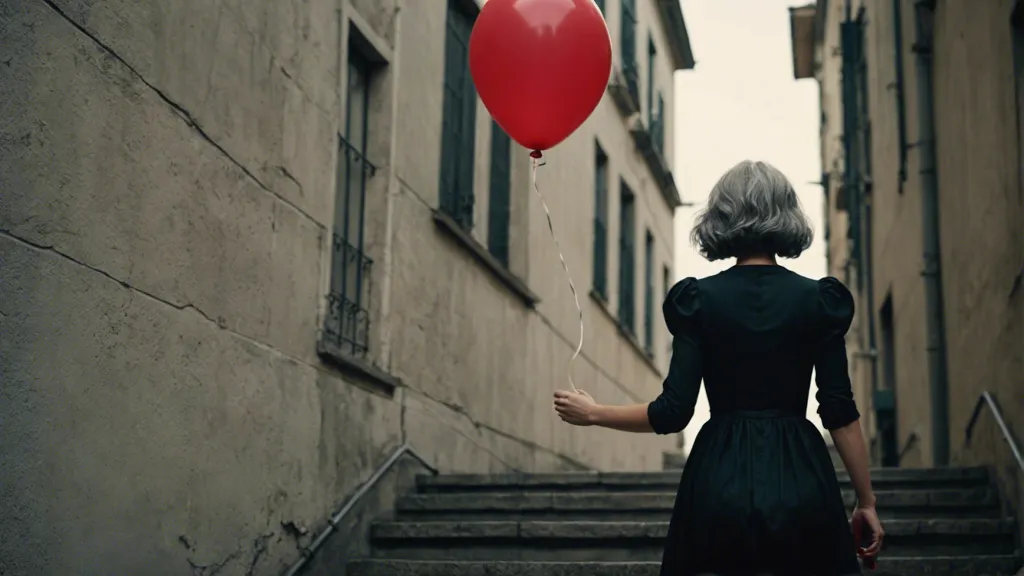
<point x="858" y="539"/>
<point x="540" y="66"/>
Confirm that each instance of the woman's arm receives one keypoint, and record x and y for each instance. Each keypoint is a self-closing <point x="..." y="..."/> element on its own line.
<point x="579" y="408"/>
<point x="849" y="442"/>
<point x="672" y="410"/>
<point x="632" y="418"/>
<point x="669" y="413"/>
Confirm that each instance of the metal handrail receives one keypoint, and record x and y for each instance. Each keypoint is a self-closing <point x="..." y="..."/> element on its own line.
<point x="335" y="520"/>
<point x="988" y="399"/>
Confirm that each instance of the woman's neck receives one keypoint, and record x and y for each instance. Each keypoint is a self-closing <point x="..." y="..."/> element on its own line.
<point x="761" y="260"/>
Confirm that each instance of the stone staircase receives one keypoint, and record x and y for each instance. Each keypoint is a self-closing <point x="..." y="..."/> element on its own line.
<point x="938" y="522"/>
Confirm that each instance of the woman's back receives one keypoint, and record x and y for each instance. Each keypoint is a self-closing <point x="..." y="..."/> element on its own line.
<point x="759" y="492"/>
<point x="761" y="328"/>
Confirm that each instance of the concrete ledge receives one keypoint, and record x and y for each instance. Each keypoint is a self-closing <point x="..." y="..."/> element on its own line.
<point x="358" y="367"/>
<point x="481" y="254"/>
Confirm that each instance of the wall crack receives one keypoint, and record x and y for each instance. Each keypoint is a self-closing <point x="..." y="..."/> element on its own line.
<point x="180" y="110"/>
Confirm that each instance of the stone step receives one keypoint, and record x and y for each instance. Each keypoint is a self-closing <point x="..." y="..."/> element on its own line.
<point x="582" y="541"/>
<point x="1005" y="565"/>
<point x="959" y="503"/>
<point x="883" y="478"/>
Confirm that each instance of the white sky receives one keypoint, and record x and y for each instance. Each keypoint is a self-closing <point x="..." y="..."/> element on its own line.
<point x="741" y="102"/>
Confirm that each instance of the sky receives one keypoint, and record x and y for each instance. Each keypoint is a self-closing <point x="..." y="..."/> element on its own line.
<point x="740" y="102"/>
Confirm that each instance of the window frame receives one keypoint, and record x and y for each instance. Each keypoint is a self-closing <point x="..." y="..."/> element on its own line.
<point x="347" y="320"/>
<point x="458" y="124"/>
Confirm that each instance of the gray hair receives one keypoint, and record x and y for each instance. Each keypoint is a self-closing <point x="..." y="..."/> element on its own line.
<point x="752" y="210"/>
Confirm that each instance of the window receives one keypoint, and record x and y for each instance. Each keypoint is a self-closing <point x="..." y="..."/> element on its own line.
<point x="458" y="131"/>
<point x="629" y="66"/>
<point x="901" y="106"/>
<point x="347" y="322"/>
<point x="600" y="5"/>
<point x="600" y="222"/>
<point x="499" y="205"/>
<point x="856" y="138"/>
<point x="666" y="285"/>
<point x="885" y="410"/>
<point x="652" y="52"/>
<point x="658" y="125"/>
<point x="627" y="257"/>
<point x="649" y="294"/>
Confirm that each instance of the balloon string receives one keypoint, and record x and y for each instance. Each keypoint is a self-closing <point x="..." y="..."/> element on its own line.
<point x="551" y="228"/>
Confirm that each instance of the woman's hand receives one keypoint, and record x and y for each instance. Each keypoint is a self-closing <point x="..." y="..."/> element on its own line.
<point x="867" y="516"/>
<point x="577" y="408"/>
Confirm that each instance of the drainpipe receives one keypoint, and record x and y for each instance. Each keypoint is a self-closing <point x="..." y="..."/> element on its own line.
<point x="937" y="374"/>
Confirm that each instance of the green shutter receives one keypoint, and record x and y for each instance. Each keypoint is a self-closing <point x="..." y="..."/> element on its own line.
<point x="628" y="48"/>
<point x="499" y="205"/>
<point x="600" y="222"/>
<point x="649" y="294"/>
<point x="658" y="134"/>
<point x="652" y="52"/>
<point x="600" y="5"/>
<point x="458" y="131"/>
<point x="627" y="260"/>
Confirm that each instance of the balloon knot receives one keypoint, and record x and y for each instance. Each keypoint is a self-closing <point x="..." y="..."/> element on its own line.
<point x="536" y="154"/>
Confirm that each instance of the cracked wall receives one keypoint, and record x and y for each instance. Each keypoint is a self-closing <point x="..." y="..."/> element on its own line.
<point x="166" y="200"/>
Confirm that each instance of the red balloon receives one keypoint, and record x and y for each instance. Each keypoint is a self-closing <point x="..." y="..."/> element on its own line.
<point x="540" y="66"/>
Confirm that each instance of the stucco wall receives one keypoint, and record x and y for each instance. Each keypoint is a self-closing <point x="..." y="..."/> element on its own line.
<point x="167" y="190"/>
<point x="982" y="224"/>
<point x="981" y="216"/>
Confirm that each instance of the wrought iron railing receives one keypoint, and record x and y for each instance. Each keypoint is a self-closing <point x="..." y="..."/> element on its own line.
<point x="348" y="317"/>
<point x="347" y="325"/>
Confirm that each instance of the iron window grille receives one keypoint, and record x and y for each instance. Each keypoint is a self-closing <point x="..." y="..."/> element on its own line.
<point x="347" y="324"/>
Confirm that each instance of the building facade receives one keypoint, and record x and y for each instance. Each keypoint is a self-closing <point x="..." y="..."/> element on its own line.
<point x="921" y="144"/>
<point x="249" y="249"/>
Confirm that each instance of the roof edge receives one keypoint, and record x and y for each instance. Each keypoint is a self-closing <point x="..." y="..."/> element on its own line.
<point x="678" y="38"/>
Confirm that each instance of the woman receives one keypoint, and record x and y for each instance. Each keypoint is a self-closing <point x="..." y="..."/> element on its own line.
<point x="759" y="492"/>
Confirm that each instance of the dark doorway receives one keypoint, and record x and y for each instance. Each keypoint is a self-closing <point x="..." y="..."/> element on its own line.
<point x="885" y="396"/>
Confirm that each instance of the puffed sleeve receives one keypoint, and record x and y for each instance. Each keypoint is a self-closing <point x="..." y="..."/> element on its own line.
<point x="835" y="394"/>
<point x="672" y="410"/>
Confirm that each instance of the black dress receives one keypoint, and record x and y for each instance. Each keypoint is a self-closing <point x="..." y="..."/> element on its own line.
<point x="759" y="493"/>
